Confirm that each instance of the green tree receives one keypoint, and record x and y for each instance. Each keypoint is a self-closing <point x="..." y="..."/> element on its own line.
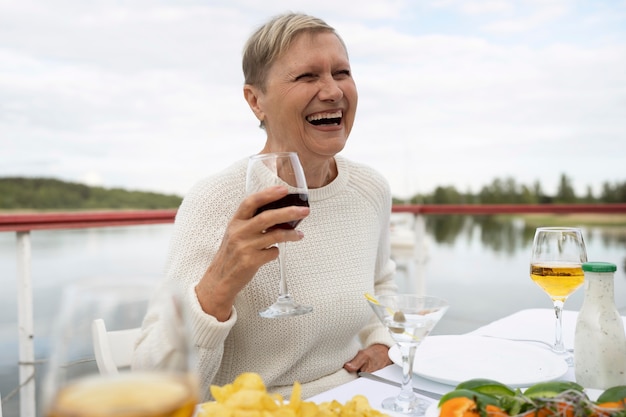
<point x="447" y="195"/>
<point x="51" y="194"/>
<point x="589" y="198"/>
<point x="527" y="196"/>
<point x="565" y="192"/>
<point x="613" y="193"/>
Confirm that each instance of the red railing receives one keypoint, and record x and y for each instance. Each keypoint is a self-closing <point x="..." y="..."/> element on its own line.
<point x="616" y="208"/>
<point x="72" y="220"/>
<point x="77" y="220"/>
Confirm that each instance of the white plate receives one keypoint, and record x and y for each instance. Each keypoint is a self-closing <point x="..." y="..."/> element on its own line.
<point x="432" y="410"/>
<point x="454" y="359"/>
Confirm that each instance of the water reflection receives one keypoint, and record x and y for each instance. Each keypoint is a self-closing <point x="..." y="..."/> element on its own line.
<point x="503" y="236"/>
<point x="446" y="229"/>
<point x="508" y="235"/>
<point x="496" y="233"/>
<point x="481" y="265"/>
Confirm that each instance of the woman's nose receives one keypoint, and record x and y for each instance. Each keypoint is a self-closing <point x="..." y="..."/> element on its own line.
<point x="330" y="90"/>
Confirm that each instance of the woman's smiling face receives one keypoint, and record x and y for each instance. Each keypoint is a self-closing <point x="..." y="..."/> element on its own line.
<point x="309" y="101"/>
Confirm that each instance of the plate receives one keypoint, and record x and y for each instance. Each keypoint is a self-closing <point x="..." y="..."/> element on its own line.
<point x="432" y="410"/>
<point x="454" y="359"/>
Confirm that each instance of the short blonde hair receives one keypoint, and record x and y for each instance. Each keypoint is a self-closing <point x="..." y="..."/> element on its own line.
<point x="272" y="39"/>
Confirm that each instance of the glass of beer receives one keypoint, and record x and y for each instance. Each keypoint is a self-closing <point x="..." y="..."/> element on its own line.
<point x="556" y="266"/>
<point x="73" y="384"/>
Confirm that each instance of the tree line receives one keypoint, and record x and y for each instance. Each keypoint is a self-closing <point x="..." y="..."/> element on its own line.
<point x="508" y="191"/>
<point x="18" y="193"/>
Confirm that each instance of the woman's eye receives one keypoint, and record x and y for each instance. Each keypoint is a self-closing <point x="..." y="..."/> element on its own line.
<point x="342" y="74"/>
<point x="305" y="76"/>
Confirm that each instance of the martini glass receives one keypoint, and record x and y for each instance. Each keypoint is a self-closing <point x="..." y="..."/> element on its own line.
<point x="409" y="319"/>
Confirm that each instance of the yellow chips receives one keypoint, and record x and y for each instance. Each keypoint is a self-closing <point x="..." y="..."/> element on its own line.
<point x="248" y="397"/>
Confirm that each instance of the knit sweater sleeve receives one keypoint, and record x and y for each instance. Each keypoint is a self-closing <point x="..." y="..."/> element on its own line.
<point x="199" y="227"/>
<point x="375" y="189"/>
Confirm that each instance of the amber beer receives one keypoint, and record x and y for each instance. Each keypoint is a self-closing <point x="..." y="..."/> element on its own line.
<point x="558" y="280"/>
<point x="132" y="394"/>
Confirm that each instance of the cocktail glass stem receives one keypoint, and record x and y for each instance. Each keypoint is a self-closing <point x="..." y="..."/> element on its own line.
<point x="559" y="346"/>
<point x="408" y="357"/>
<point x="407" y="402"/>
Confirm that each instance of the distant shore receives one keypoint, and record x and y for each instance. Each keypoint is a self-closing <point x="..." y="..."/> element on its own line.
<point x="579" y="219"/>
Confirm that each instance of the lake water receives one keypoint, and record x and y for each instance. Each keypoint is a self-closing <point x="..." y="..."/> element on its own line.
<point x="478" y="264"/>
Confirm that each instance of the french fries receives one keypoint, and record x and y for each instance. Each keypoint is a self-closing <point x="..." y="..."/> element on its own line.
<point x="247" y="396"/>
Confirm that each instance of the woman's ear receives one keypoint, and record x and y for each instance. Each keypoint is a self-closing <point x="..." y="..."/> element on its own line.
<point x="253" y="96"/>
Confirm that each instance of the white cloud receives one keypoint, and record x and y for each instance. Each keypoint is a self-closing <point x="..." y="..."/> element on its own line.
<point x="147" y="95"/>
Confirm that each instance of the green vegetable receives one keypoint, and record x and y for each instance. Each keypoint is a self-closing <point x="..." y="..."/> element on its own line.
<point x="551" y="389"/>
<point x="486" y="386"/>
<point x="614" y="394"/>
<point x="479" y="398"/>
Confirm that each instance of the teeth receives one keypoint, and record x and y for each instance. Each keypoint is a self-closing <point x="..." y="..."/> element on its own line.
<point x="320" y="116"/>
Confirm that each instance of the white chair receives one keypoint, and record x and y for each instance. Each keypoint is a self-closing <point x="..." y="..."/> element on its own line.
<point x="113" y="349"/>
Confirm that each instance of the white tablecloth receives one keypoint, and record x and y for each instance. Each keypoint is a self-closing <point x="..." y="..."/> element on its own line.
<point x="525" y="324"/>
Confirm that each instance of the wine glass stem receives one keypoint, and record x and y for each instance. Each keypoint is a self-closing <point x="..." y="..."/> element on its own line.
<point x="559" y="347"/>
<point x="283" y="291"/>
<point x="408" y="357"/>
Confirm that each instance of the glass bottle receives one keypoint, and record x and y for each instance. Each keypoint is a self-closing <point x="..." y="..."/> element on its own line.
<point x="600" y="339"/>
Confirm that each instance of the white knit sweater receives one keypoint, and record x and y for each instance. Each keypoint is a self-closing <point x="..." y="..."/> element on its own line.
<point x="345" y="253"/>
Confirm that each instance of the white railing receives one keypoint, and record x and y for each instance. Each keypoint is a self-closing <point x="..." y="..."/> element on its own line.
<point x="22" y="225"/>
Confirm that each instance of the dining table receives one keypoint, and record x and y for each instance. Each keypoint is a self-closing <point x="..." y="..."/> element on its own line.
<point x="530" y="327"/>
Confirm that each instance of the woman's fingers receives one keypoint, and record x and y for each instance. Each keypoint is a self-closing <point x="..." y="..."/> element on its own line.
<point x="248" y="243"/>
<point x="370" y="359"/>
<point x="251" y="203"/>
<point x="264" y="222"/>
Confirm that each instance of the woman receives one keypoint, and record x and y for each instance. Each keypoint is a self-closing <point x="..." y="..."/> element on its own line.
<point x="299" y="85"/>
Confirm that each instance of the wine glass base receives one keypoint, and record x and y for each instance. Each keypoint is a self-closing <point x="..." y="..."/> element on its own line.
<point x="413" y="407"/>
<point x="284" y="309"/>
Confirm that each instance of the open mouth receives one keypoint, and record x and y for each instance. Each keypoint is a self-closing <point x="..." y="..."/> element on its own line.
<point x="326" y="119"/>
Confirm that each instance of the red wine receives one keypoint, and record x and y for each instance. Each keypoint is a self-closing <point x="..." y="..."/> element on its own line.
<point x="286" y="201"/>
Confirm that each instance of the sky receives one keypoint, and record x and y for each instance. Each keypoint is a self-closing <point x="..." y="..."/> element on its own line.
<point x="147" y="94"/>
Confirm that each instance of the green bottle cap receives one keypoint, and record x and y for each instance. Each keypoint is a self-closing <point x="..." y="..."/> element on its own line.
<point x="599" y="267"/>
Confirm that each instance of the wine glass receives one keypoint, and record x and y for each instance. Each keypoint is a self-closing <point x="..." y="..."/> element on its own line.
<point x="74" y="387"/>
<point x="280" y="168"/>
<point x="556" y="266"/>
<point x="409" y="319"/>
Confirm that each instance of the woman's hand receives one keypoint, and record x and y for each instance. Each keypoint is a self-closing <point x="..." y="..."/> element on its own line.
<point x="246" y="246"/>
<point x="369" y="359"/>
